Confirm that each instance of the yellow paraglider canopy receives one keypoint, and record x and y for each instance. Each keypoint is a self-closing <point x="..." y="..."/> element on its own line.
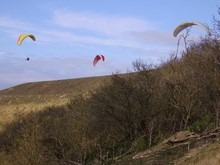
<point x="23" y="36"/>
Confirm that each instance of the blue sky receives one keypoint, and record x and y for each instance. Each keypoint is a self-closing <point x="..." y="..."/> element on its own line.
<point x="69" y="33"/>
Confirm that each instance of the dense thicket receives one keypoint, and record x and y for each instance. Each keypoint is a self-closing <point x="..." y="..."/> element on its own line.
<point x="130" y="113"/>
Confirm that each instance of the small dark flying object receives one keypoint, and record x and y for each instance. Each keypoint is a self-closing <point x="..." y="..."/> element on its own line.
<point x="27" y="59"/>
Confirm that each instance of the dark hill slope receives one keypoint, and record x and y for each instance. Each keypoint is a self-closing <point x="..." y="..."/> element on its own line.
<point x="68" y="86"/>
<point x="24" y="98"/>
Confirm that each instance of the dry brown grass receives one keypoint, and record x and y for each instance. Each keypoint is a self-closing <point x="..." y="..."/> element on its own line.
<point x="215" y="160"/>
<point x="58" y="87"/>
<point x="205" y="154"/>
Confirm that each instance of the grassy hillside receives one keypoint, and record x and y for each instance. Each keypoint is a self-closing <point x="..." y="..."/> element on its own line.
<point x="19" y="100"/>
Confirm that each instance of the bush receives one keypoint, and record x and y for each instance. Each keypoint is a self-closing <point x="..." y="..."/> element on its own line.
<point x="202" y="124"/>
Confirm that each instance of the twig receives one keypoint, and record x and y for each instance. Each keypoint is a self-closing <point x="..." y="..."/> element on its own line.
<point x="126" y="153"/>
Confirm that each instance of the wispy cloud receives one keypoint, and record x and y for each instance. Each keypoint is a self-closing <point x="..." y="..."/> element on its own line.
<point x="106" y="24"/>
<point x="154" y="37"/>
<point x="113" y="30"/>
<point x="14" y="23"/>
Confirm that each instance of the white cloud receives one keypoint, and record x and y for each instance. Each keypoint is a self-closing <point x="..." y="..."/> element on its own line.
<point x="155" y="37"/>
<point x="109" y="30"/>
<point x="110" y="25"/>
<point x="13" y="23"/>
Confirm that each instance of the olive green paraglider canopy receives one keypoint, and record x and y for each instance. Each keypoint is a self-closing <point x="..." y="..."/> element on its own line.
<point x="184" y="25"/>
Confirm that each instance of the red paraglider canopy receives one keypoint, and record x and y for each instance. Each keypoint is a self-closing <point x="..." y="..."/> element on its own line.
<point x="97" y="59"/>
